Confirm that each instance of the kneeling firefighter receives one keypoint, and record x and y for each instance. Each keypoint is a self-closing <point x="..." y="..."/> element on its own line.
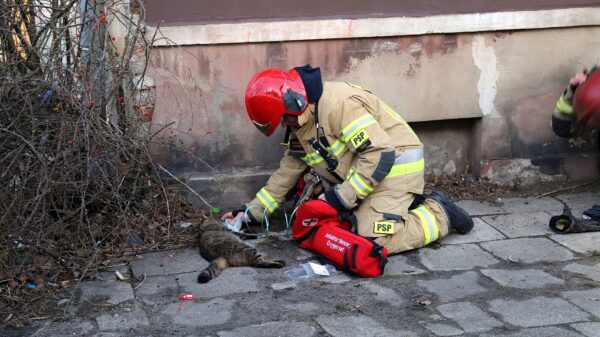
<point x="368" y="159"/>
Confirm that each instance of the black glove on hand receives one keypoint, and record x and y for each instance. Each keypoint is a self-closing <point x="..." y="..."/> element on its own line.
<point x="333" y="200"/>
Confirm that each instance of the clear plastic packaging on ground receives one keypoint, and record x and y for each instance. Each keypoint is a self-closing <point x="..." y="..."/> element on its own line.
<point x="310" y="270"/>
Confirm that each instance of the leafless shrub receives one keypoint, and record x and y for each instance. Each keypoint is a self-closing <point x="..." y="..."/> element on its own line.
<point x="77" y="182"/>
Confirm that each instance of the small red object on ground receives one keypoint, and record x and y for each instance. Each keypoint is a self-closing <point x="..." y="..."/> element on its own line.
<point x="183" y="298"/>
<point x="186" y="297"/>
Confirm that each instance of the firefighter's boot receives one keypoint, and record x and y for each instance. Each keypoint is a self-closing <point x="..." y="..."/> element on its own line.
<point x="458" y="219"/>
<point x="567" y="223"/>
<point x="593" y="213"/>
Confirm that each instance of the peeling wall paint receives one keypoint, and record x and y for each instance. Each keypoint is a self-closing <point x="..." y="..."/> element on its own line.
<point x="484" y="58"/>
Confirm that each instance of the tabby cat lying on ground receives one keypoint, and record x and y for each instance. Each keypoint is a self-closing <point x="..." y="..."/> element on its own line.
<point x="225" y="249"/>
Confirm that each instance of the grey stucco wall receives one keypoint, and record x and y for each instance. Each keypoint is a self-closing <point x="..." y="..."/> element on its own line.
<point x="497" y="89"/>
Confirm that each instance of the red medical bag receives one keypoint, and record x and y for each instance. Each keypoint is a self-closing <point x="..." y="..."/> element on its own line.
<point x="317" y="228"/>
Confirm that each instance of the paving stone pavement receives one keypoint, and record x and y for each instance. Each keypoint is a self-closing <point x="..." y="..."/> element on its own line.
<point x="510" y="276"/>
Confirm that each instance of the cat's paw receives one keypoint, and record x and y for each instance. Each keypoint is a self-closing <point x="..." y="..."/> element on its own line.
<point x="203" y="278"/>
<point x="279" y="263"/>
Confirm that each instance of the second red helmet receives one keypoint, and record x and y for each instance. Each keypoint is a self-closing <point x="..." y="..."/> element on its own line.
<point x="586" y="102"/>
<point x="273" y="93"/>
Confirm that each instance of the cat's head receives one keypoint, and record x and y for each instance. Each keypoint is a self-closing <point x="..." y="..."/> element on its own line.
<point x="209" y="224"/>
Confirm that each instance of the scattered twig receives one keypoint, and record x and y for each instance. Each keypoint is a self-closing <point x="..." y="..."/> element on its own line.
<point x="141" y="282"/>
<point x="168" y="211"/>
<point x="563" y="189"/>
<point x="44" y="251"/>
<point x="161" y="129"/>
<point x="100" y="305"/>
<point x="184" y="184"/>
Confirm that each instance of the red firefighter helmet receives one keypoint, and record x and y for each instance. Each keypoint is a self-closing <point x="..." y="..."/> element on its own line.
<point x="273" y="93"/>
<point x="586" y="101"/>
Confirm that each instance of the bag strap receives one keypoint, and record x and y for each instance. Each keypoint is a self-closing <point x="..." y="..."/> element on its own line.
<point x="311" y="232"/>
<point x="321" y="145"/>
<point x="345" y="265"/>
<point x="354" y="250"/>
<point x="377" y="251"/>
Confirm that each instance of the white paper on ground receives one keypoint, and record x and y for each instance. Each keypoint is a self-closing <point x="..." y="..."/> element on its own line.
<point x="319" y="269"/>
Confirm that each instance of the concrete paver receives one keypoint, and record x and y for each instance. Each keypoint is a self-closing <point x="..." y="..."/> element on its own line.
<point x="336" y="279"/>
<point x="167" y="263"/>
<point x="230" y="281"/>
<point x="74" y="328"/>
<point x="538" y="332"/>
<point x="455" y="287"/>
<point x="589" y="300"/>
<point x="479" y="208"/>
<point x="579" y="202"/>
<point x="199" y="313"/>
<point x="456" y="257"/>
<point x="397" y="265"/>
<point x="272" y="329"/>
<point x="156" y="285"/>
<point x="123" y="321"/>
<point x="304" y="307"/>
<point x="531" y="204"/>
<point x="442" y="329"/>
<point x="523" y="279"/>
<point x="591" y="271"/>
<point x="585" y="243"/>
<point x="469" y="317"/>
<point x="537" y="311"/>
<point x="151" y="264"/>
<point x="481" y="232"/>
<point x="157" y="290"/>
<point x="112" y="292"/>
<point x="284" y="285"/>
<point x="521" y="225"/>
<point x="528" y="250"/>
<point x="591" y="329"/>
<point x="361" y="325"/>
<point x="384" y="294"/>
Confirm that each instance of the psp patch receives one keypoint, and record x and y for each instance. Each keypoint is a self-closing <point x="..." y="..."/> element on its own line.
<point x="383" y="227"/>
<point x="360" y="140"/>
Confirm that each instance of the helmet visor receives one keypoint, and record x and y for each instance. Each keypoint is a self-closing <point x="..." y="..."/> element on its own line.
<point x="264" y="128"/>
